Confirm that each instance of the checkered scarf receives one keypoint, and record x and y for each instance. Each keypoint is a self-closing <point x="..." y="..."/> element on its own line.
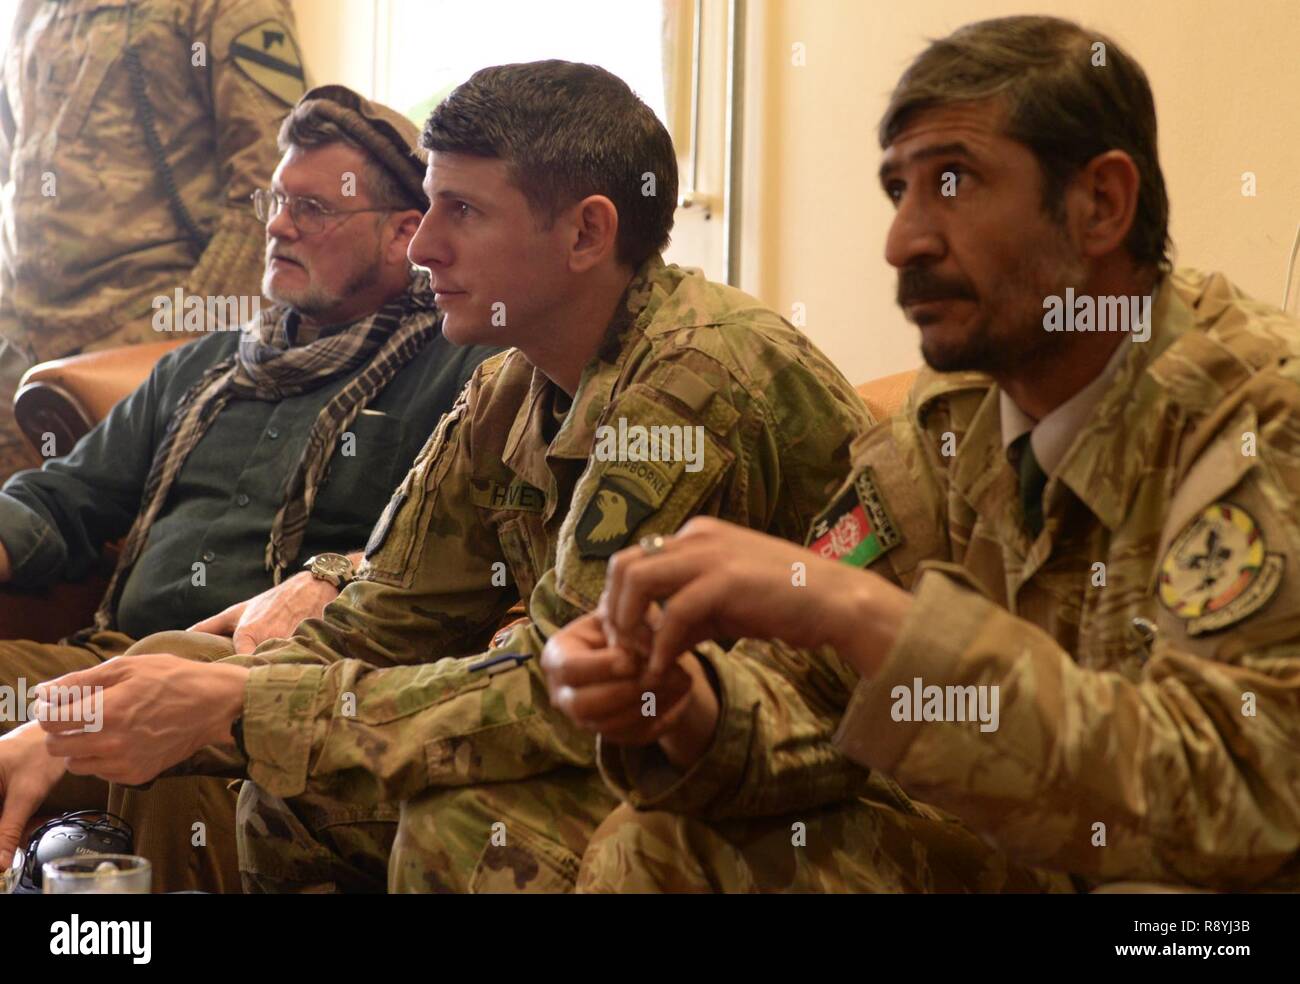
<point x="267" y="367"/>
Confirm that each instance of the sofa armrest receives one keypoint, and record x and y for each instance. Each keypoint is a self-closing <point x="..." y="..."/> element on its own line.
<point x="67" y="397"/>
<point x="885" y="396"/>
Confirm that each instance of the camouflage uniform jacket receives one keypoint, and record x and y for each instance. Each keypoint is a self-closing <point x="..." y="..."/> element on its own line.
<point x="1145" y="647"/>
<point x="513" y="498"/>
<point x="89" y="237"/>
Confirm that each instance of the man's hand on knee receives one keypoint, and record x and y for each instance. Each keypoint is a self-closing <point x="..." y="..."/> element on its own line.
<point x="273" y="614"/>
<point x="131" y="718"/>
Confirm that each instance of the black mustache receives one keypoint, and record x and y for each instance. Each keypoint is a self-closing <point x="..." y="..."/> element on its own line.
<point x="916" y="286"/>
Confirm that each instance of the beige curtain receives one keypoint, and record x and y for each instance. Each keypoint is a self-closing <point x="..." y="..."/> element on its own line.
<point x="678" y="59"/>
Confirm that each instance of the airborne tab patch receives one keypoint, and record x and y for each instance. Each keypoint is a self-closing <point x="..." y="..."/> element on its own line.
<point x="1218" y="570"/>
<point x="609" y="519"/>
<point x="856" y="529"/>
<point x="268" y="54"/>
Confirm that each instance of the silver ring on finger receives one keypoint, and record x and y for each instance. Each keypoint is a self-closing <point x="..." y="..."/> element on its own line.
<point x="653" y="544"/>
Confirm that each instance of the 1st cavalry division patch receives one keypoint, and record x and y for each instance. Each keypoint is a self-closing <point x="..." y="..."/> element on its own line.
<point x="268" y="54"/>
<point x="1218" y="570"/>
<point x="856" y="529"/>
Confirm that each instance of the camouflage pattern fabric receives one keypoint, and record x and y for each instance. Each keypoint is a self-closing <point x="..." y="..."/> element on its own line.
<point x="876" y="846"/>
<point x="89" y="235"/>
<point x="402" y="691"/>
<point x="1145" y="647"/>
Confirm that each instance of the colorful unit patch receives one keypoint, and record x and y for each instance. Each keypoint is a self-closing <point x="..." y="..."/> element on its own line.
<point x="1218" y="570"/>
<point x="856" y="529"/>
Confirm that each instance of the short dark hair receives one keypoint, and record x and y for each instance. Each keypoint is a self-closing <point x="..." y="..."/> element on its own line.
<point x="566" y="131"/>
<point x="1064" y="108"/>
<point x="307" y="131"/>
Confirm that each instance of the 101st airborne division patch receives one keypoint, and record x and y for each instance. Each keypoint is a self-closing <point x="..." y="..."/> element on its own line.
<point x="609" y="519"/>
<point x="1218" y="570"/>
<point x="856" y="529"/>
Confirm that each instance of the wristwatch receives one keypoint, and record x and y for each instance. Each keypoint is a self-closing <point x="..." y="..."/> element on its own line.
<point x="332" y="567"/>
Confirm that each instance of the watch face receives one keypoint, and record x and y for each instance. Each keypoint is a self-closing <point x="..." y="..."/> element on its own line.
<point x="332" y="565"/>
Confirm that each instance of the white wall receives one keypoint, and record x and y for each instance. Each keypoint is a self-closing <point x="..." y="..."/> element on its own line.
<point x="1226" y="78"/>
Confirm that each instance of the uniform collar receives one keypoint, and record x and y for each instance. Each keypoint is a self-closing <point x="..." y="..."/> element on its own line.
<point x="1102" y="464"/>
<point x="1052" y="436"/>
<point x="1107" y="458"/>
<point x="641" y="299"/>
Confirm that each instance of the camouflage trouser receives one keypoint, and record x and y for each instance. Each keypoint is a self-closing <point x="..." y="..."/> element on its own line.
<point x="311" y="844"/>
<point x="863" y="846"/>
<point x="524" y="836"/>
<point x="16" y="358"/>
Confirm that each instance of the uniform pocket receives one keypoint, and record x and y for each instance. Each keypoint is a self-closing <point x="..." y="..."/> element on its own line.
<point x="452" y="696"/>
<point x="367" y="476"/>
<point x="527" y="862"/>
<point x="104" y="45"/>
<point x="514" y="539"/>
<point x="401" y="529"/>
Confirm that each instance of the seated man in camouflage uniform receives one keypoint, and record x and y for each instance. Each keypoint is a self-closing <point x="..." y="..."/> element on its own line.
<point x="638" y="396"/>
<point x="1093" y="675"/>
<point x="246" y="453"/>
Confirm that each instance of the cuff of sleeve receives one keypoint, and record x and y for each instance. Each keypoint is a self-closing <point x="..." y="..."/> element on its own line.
<point x="943" y="619"/>
<point x="646" y="780"/>
<point x="35" y="550"/>
<point x="279" y="719"/>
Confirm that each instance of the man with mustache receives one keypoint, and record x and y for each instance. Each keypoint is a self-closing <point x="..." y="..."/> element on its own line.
<point x="401" y="741"/>
<point x="247" y="455"/>
<point x="1075" y="645"/>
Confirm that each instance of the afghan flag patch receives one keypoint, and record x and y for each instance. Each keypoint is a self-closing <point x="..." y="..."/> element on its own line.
<point x="856" y="529"/>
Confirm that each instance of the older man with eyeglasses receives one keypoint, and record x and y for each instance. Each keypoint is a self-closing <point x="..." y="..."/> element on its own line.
<point x="247" y="456"/>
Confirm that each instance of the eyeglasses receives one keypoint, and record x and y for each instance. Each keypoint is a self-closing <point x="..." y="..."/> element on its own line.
<point x="308" y="215"/>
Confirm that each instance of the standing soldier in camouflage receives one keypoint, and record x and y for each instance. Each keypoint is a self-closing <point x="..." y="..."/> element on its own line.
<point x="639" y="395"/>
<point x="132" y="133"/>
<point x="1093" y="675"/>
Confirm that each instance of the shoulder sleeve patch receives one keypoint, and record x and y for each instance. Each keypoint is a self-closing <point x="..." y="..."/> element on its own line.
<point x="856" y="528"/>
<point x="1218" y="570"/>
<point x="268" y="54"/>
<point x="655" y="471"/>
